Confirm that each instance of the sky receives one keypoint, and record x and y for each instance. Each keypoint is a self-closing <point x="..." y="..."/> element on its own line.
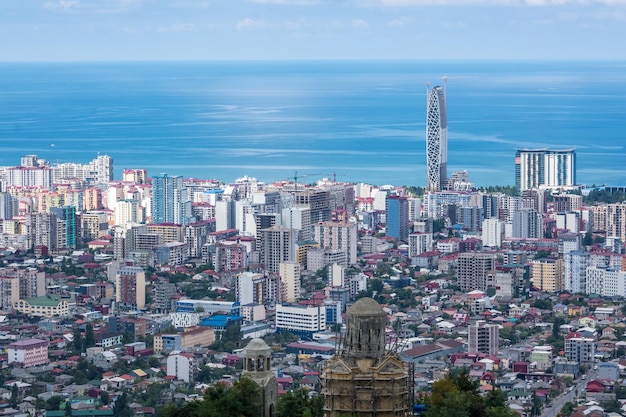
<point x="113" y="30"/>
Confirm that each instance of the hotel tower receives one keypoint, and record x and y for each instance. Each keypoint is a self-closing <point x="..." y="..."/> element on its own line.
<point x="436" y="139"/>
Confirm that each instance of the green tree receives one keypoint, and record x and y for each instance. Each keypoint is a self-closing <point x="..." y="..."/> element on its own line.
<point x="68" y="409"/>
<point x="567" y="409"/>
<point x="90" y="340"/>
<point x="104" y="398"/>
<point x="14" y="396"/>
<point x="297" y="403"/>
<point x="457" y="395"/>
<point x="78" y="339"/>
<point x="121" y="407"/>
<point x="54" y="403"/>
<point x="242" y="400"/>
<point x="543" y="304"/>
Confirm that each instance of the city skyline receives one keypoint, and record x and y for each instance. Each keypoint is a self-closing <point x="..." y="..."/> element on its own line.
<point x="98" y="30"/>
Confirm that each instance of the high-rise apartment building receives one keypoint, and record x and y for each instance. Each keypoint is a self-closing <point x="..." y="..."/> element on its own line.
<point x="170" y="202"/>
<point x="397" y="209"/>
<point x="616" y="220"/>
<point x="70" y="225"/>
<point x="605" y="281"/>
<point x="252" y="288"/>
<point x="30" y="177"/>
<point x="135" y="176"/>
<point x="543" y="168"/>
<point x="9" y="292"/>
<point x="473" y="268"/>
<point x="289" y="273"/>
<point x="420" y="243"/>
<point x="128" y="211"/>
<point x="8" y="206"/>
<point x="41" y="229"/>
<point x="527" y="224"/>
<point x="130" y="287"/>
<point x="337" y="236"/>
<point x="436" y="139"/>
<point x="492" y="232"/>
<point x="278" y="245"/>
<point x="483" y="338"/>
<point x="547" y="274"/>
<point x="575" y="265"/>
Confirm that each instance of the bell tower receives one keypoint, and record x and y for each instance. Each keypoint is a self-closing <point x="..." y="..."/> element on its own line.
<point x="257" y="367"/>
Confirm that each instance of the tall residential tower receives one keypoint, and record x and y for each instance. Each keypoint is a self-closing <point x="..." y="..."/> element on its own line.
<point x="436" y="139"/>
<point x="544" y="168"/>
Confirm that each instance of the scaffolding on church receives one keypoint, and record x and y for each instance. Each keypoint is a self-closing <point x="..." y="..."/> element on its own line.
<point x="364" y="378"/>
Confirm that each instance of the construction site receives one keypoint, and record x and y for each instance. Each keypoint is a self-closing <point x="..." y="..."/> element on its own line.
<point x="365" y="379"/>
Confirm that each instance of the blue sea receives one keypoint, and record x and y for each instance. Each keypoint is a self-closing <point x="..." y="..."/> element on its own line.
<point x="361" y="120"/>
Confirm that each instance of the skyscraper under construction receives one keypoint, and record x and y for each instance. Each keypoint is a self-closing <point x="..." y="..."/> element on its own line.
<point x="436" y="139"/>
<point x="364" y="378"/>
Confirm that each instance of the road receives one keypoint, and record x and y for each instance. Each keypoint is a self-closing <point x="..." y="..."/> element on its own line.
<point x="568" y="395"/>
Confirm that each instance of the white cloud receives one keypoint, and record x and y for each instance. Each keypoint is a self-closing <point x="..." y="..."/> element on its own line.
<point x="249" y="23"/>
<point x="360" y="23"/>
<point x="416" y="3"/>
<point x="92" y="6"/>
<point x="62" y="5"/>
<point x="288" y="2"/>
<point x="397" y="23"/>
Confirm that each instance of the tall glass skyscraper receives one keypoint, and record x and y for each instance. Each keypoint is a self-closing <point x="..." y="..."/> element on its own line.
<point x="170" y="202"/>
<point x="397" y="213"/>
<point x="436" y="139"/>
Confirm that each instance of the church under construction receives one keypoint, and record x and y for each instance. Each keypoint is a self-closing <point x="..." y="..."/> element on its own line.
<point x="364" y="379"/>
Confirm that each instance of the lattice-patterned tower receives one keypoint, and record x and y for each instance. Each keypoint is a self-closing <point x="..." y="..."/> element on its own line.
<point x="436" y="139"/>
<point x="364" y="379"/>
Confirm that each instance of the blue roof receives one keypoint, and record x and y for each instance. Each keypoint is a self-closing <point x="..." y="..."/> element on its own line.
<point x="219" y="320"/>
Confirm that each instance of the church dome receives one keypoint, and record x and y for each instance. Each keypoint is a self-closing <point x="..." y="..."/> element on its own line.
<point x="256" y="347"/>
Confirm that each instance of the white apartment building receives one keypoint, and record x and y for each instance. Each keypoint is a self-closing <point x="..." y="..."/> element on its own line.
<point x="251" y="288"/>
<point x="182" y="366"/>
<point x="568" y="221"/>
<point x="483" y="338"/>
<point x="575" y="265"/>
<point x="605" y="281"/>
<point x="420" y="243"/>
<point x="580" y="349"/>
<point x="128" y="211"/>
<point x="336" y="235"/>
<point x="492" y="232"/>
<point x="300" y="319"/>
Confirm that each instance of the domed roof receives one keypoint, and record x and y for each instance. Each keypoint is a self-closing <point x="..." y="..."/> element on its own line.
<point x="366" y="307"/>
<point x="255" y="347"/>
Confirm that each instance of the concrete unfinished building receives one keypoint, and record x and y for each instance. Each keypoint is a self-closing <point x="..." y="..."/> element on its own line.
<point x="364" y="379"/>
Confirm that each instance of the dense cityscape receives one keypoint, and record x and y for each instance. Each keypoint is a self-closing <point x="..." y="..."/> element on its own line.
<point x="158" y="295"/>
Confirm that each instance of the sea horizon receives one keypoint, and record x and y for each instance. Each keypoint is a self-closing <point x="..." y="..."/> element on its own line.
<point x="361" y="119"/>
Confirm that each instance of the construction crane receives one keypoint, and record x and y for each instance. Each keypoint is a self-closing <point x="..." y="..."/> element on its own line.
<point x="334" y="174"/>
<point x="295" y="178"/>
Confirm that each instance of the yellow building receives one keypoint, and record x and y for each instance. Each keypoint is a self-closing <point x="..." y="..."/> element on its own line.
<point x="198" y="336"/>
<point x="547" y="274"/>
<point x="168" y="232"/>
<point x="44" y="306"/>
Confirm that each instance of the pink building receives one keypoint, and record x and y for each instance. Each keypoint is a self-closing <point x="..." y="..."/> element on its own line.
<point x="28" y="352"/>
